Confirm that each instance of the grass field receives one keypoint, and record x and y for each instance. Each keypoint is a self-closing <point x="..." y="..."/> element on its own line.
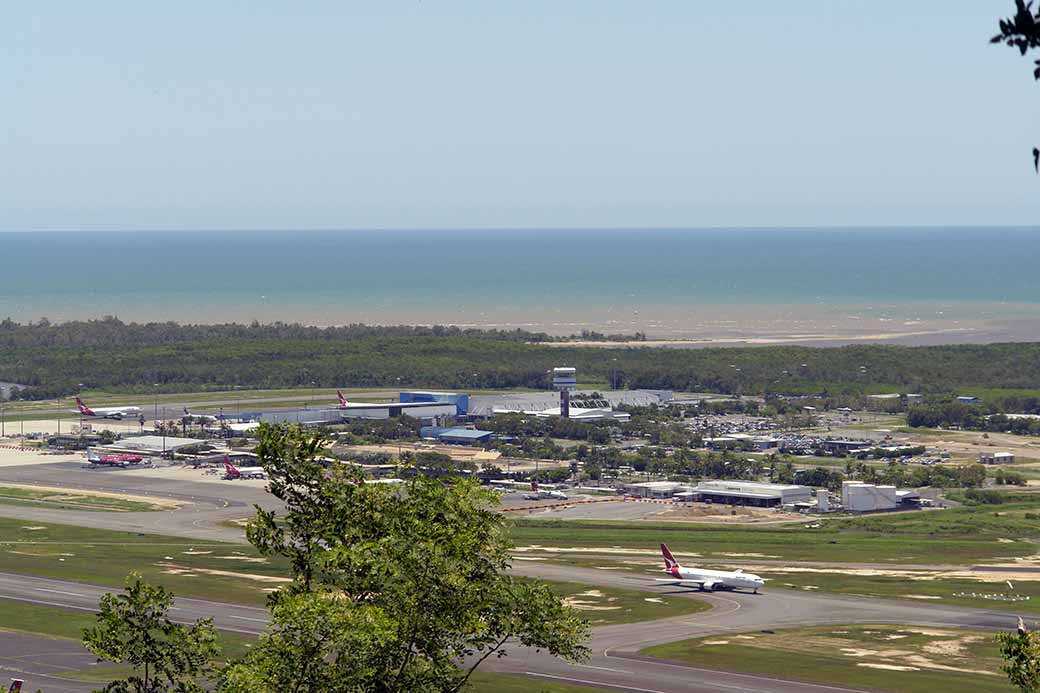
<point x="53" y="622"/>
<point x="231" y="572"/>
<point x="606" y="606"/>
<point x="223" y="572"/>
<point x="981" y="590"/>
<point x="887" y="658"/>
<point x="955" y="536"/>
<point x="72" y="500"/>
<point x="68" y="625"/>
<point x="919" y="586"/>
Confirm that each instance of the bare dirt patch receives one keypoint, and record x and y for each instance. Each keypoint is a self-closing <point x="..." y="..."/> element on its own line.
<point x="188" y="571"/>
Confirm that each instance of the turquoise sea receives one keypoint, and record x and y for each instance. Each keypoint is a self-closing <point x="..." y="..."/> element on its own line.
<point x="968" y="284"/>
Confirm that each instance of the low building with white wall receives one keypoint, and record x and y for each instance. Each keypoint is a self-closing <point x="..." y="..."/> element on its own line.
<point x="859" y="497"/>
<point x="996" y="458"/>
<point x="752" y="493"/>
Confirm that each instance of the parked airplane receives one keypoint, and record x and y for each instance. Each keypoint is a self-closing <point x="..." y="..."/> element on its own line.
<point x="116" y="460"/>
<point x="708" y="580"/>
<point x="107" y="412"/>
<point x="201" y="418"/>
<point x="544" y="494"/>
<point x="234" y="472"/>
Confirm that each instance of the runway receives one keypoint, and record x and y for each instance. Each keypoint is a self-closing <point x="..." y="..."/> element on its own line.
<point x="614" y="662"/>
<point x="206" y="502"/>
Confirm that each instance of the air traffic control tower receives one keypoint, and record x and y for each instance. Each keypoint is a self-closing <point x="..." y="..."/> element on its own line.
<point x="565" y="379"/>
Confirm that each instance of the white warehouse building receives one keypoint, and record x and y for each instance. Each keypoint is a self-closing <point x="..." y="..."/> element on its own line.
<point x="389" y="410"/>
<point x="859" y="497"/>
<point x="655" y="489"/>
<point x="752" y="493"/>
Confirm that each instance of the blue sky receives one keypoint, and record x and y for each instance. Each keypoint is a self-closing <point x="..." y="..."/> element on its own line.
<point x="437" y="113"/>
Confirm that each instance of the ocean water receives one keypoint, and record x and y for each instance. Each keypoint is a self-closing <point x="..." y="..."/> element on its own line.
<point x="704" y="283"/>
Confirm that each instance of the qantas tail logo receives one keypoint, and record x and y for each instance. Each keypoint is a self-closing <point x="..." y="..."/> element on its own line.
<point x="83" y="409"/>
<point x="230" y="468"/>
<point x="16" y="685"/>
<point x="342" y="399"/>
<point x="670" y="564"/>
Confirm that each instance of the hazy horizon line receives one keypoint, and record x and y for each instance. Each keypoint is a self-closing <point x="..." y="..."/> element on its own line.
<point x="478" y="229"/>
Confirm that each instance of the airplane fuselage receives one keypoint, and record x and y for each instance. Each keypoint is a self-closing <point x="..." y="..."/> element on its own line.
<point x="117" y="413"/>
<point x="717" y="579"/>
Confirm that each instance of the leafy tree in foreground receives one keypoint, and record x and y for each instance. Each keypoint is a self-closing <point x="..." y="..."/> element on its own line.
<point x="395" y="588"/>
<point x="1022" y="31"/>
<point x="1021" y="653"/>
<point x="133" y="628"/>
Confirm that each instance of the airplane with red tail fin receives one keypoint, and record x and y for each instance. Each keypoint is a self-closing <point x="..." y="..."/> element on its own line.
<point x="708" y="580"/>
<point x="233" y="472"/>
<point x="117" y="413"/>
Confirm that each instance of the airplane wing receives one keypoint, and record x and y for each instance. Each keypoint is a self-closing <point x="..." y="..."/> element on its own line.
<point x="704" y="584"/>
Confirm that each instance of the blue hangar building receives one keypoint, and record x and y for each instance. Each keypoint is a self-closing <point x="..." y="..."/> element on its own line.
<point x="460" y="400"/>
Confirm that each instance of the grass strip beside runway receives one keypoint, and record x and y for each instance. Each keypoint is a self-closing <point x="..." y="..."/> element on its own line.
<point x="73" y="500"/>
<point x="908" y="659"/>
<point x="58" y="623"/>
<point x="956" y="536"/>
<point x="604" y="606"/>
<point x="204" y="570"/>
<point x="53" y="622"/>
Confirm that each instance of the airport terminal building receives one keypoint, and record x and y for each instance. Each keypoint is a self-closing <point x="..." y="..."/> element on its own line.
<point x="752" y="493"/>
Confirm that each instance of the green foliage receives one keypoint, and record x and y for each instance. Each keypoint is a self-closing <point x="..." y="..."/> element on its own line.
<point x="990" y="418"/>
<point x="1022" y="31"/>
<point x="133" y="628"/>
<point x="939" y="475"/>
<point x="53" y="358"/>
<point x="978" y="496"/>
<point x="1021" y="653"/>
<point x="393" y="587"/>
<point x="1007" y="478"/>
<point x="820" y="478"/>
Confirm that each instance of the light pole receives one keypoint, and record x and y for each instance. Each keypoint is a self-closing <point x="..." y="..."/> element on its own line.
<point x="155" y="397"/>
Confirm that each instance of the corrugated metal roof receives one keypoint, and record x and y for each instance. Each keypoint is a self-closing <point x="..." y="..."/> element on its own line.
<point x="454" y="433"/>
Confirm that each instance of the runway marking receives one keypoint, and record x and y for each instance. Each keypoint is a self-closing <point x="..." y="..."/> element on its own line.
<point x="40" y="601"/>
<point x="246" y="618"/>
<point x="70" y="594"/>
<point x="712" y="613"/>
<point x="589" y="666"/>
<point x="593" y="683"/>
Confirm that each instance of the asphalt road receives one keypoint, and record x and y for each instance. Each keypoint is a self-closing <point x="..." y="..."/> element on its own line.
<point x="614" y="662"/>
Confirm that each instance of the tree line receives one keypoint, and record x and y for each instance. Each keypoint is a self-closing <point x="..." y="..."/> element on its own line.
<point x="58" y="359"/>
